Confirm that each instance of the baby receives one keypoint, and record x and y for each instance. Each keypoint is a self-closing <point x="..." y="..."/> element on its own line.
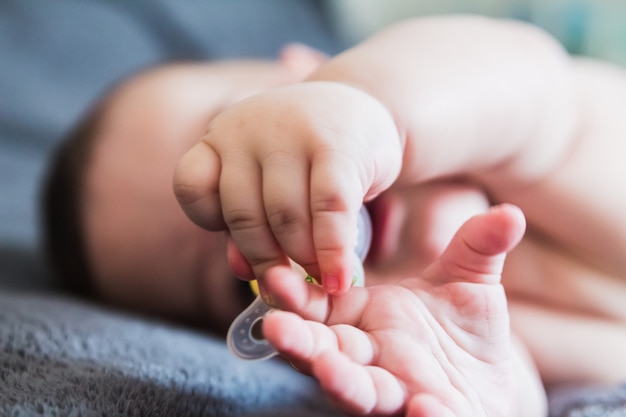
<point x="445" y="128"/>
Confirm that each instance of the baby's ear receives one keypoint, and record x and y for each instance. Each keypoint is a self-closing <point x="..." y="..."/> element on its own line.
<point x="300" y="59"/>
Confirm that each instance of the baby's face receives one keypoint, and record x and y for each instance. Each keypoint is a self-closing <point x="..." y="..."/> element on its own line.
<point x="142" y="248"/>
<point x="146" y="253"/>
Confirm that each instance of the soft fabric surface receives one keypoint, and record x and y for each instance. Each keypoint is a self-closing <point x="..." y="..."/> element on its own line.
<point x="61" y="357"/>
<point x="588" y="401"/>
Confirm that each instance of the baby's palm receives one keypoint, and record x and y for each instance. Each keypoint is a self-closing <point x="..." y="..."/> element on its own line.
<point x="436" y="345"/>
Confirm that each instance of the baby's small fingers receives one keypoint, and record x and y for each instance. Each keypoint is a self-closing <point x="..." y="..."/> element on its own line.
<point x="297" y="340"/>
<point x="354" y="343"/>
<point x="426" y="405"/>
<point x="286" y="289"/>
<point x="286" y="199"/>
<point x="477" y="251"/>
<point x="302" y="341"/>
<point x="496" y="231"/>
<point x="244" y="214"/>
<point x="357" y="389"/>
<point x="196" y="186"/>
<point x="336" y="196"/>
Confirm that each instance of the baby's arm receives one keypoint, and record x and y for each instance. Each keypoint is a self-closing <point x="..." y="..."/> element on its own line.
<point x="470" y="96"/>
<point x="580" y="206"/>
<point x="286" y="171"/>
<point x="501" y="104"/>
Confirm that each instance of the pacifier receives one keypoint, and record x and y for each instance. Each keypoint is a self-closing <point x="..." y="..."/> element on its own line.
<point x="244" y="337"/>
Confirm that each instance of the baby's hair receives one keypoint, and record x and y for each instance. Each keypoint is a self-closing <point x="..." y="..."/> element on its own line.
<point x="63" y="235"/>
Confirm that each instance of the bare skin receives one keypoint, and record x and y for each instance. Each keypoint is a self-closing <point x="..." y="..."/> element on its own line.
<point x="147" y="253"/>
<point x="436" y="345"/>
<point x="318" y="163"/>
<point x="285" y="172"/>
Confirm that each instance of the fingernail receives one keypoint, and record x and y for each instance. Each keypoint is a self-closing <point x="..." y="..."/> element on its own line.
<point x="331" y="283"/>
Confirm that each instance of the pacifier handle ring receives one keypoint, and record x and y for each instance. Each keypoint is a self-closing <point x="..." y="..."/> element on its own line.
<point x="240" y="339"/>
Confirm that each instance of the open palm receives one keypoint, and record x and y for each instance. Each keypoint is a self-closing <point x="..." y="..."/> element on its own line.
<point x="434" y="345"/>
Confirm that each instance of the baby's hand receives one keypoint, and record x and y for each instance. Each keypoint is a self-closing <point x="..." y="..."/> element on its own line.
<point x="286" y="171"/>
<point x="435" y="345"/>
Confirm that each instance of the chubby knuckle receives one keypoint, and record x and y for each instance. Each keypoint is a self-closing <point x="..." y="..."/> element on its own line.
<point x="329" y="249"/>
<point x="260" y="262"/>
<point x="280" y="155"/>
<point x="326" y="253"/>
<point x="242" y="219"/>
<point x="187" y="193"/>
<point x="284" y="221"/>
<point x="329" y="201"/>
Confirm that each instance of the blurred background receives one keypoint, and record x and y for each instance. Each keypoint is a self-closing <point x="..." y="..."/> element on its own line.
<point x="594" y="28"/>
<point x="57" y="57"/>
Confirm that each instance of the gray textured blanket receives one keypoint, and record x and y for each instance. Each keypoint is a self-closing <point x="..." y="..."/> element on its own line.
<point x="588" y="401"/>
<point x="60" y="357"/>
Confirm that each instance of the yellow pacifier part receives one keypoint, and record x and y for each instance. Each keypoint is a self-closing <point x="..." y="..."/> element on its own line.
<point x="254" y="287"/>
